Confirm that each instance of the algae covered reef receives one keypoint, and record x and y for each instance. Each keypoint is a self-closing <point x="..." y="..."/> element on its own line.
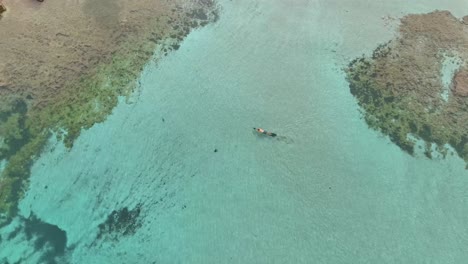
<point x="64" y="64"/>
<point x="415" y="87"/>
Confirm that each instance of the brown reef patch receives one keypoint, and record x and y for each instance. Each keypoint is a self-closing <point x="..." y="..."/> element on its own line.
<point x="400" y="87"/>
<point x="64" y="64"/>
<point x="460" y="83"/>
<point x="46" y="45"/>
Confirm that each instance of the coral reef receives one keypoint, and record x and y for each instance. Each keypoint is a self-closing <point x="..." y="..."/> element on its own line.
<point x="400" y="87"/>
<point x="64" y="66"/>
<point x="122" y="222"/>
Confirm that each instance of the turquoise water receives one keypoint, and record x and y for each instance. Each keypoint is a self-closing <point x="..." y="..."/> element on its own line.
<point x="328" y="190"/>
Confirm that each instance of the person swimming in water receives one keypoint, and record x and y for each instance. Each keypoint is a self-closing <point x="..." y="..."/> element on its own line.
<point x="262" y="131"/>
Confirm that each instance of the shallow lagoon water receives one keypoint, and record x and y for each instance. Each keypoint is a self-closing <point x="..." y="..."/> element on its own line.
<point x="328" y="190"/>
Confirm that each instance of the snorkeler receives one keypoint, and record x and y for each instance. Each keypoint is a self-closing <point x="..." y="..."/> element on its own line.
<point x="262" y="131"/>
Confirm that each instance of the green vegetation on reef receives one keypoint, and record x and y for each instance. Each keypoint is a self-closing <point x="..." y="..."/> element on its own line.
<point x="98" y="95"/>
<point x="403" y="89"/>
<point x="61" y="95"/>
<point x="23" y="133"/>
<point x="18" y="146"/>
<point x="401" y="116"/>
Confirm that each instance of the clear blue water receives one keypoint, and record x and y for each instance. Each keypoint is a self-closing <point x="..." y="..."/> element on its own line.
<point x="329" y="190"/>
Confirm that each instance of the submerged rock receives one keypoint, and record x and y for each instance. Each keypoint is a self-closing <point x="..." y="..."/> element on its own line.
<point x="48" y="241"/>
<point x="121" y="222"/>
<point x="401" y="87"/>
<point x="465" y="20"/>
<point x="2" y="8"/>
